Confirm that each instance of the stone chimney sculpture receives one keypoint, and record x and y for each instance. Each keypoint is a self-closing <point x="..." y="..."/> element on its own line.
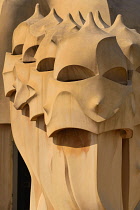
<point x="75" y="113"/>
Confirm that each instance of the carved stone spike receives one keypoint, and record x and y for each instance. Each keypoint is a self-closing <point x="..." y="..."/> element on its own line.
<point x="19" y="35"/>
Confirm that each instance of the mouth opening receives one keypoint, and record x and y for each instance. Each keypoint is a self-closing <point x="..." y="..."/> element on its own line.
<point x="72" y="137"/>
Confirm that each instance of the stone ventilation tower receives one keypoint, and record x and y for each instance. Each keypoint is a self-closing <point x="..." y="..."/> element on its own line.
<point x="73" y="85"/>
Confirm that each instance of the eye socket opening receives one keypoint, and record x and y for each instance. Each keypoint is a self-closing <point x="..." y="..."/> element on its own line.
<point x="73" y="73"/>
<point x="46" y="64"/>
<point x="29" y="54"/>
<point x="18" y="49"/>
<point x="117" y="74"/>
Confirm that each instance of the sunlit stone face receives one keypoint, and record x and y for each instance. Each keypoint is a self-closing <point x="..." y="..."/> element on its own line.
<point x="72" y="90"/>
<point x="80" y="65"/>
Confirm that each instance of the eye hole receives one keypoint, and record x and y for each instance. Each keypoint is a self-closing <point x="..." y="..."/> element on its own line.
<point x="74" y="73"/>
<point x="18" y="50"/>
<point x="29" y="54"/>
<point x="46" y="64"/>
<point x="117" y="74"/>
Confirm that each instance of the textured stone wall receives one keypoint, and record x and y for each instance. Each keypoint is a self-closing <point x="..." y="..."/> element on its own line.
<point x="6" y="166"/>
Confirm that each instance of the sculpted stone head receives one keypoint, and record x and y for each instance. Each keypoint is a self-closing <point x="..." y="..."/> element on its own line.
<point x="72" y="88"/>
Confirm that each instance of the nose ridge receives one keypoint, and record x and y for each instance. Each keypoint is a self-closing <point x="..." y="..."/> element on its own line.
<point x="96" y="105"/>
<point x="96" y="108"/>
<point x="73" y="73"/>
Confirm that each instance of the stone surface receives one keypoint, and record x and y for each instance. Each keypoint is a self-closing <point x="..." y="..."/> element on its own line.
<point x="73" y="83"/>
<point x="74" y="92"/>
<point x="6" y="167"/>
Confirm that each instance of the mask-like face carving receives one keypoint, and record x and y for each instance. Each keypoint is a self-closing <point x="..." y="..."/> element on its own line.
<point x="80" y="71"/>
<point x="77" y="77"/>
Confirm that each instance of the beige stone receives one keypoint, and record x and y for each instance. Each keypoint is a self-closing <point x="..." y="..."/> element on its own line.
<point x="74" y="103"/>
<point x="6" y="167"/>
<point x="11" y="14"/>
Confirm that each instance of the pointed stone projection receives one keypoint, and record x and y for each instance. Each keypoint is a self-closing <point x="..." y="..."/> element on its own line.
<point x="75" y="112"/>
<point x="23" y="29"/>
